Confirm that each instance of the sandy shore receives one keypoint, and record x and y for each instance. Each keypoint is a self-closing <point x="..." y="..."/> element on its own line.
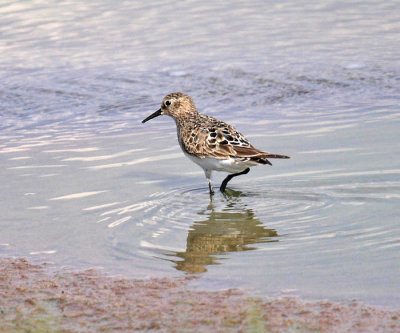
<point x="39" y="298"/>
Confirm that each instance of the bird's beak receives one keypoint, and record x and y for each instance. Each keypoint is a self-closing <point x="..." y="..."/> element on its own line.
<point x="153" y="115"/>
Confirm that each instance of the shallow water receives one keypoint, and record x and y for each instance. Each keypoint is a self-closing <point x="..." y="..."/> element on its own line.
<point x="84" y="183"/>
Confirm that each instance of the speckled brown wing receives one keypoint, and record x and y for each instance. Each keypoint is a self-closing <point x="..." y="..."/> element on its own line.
<point x="217" y="139"/>
<point x="222" y="141"/>
<point x="193" y="141"/>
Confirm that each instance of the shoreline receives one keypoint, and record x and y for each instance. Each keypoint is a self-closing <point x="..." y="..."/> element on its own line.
<point x="34" y="298"/>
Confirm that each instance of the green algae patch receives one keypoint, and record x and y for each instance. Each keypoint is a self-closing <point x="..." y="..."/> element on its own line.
<point x="43" y="316"/>
<point x="255" y="316"/>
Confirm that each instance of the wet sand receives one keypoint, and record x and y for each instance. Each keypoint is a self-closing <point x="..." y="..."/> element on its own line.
<point x="42" y="298"/>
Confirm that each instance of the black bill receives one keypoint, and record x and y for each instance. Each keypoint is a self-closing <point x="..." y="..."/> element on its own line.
<point x="155" y="114"/>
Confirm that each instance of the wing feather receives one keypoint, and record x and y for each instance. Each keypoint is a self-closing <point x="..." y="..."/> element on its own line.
<point x="221" y="141"/>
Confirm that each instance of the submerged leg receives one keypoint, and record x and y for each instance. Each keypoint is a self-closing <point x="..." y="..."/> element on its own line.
<point x="229" y="177"/>
<point x="208" y="176"/>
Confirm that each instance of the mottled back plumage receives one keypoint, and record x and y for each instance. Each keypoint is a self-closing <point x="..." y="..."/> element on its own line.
<point x="207" y="140"/>
<point x="205" y="136"/>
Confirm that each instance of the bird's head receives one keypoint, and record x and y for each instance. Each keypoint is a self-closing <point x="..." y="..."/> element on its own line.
<point x="176" y="105"/>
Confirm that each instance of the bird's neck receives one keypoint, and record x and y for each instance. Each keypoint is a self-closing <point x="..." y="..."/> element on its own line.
<point x="187" y="118"/>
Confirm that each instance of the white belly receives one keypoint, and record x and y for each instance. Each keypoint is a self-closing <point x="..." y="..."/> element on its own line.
<point x="213" y="164"/>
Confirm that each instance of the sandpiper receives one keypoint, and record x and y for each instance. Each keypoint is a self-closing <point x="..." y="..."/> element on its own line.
<point x="210" y="143"/>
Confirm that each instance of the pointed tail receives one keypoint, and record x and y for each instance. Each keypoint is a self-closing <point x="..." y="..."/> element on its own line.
<point x="276" y="156"/>
<point x="262" y="158"/>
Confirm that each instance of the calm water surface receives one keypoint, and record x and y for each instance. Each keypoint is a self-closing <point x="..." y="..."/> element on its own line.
<point x="85" y="184"/>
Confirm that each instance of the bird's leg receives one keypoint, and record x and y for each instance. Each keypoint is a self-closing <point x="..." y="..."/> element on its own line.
<point x="229" y="177"/>
<point x="208" y="176"/>
<point x="210" y="187"/>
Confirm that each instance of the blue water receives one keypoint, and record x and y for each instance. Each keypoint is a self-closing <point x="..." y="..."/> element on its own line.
<point x="85" y="184"/>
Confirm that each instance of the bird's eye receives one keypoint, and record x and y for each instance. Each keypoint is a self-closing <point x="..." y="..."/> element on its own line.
<point x="167" y="103"/>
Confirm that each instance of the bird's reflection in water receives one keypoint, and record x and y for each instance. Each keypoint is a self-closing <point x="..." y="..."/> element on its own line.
<point x="230" y="229"/>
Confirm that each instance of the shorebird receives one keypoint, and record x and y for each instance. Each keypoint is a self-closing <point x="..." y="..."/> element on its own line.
<point x="211" y="143"/>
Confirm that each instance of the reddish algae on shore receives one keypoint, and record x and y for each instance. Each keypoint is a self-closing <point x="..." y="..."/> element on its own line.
<point x="35" y="298"/>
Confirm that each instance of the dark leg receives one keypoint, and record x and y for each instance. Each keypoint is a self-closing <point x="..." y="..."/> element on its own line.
<point x="229" y="177"/>
<point x="210" y="188"/>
